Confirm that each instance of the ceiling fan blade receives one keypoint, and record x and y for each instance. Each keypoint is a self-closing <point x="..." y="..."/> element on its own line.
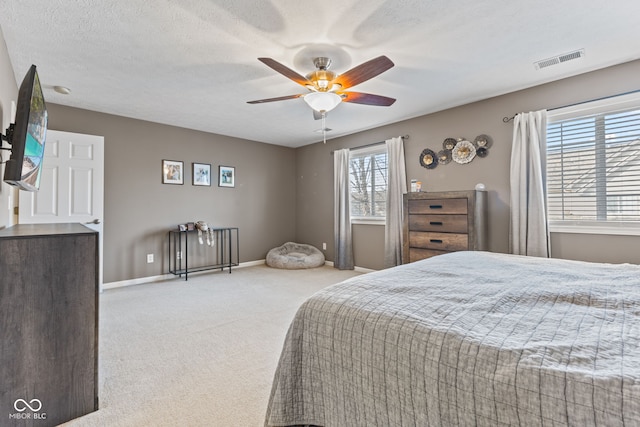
<point x="285" y="71"/>
<point x="363" y="72"/>
<point x="280" y="98"/>
<point x="367" y="99"/>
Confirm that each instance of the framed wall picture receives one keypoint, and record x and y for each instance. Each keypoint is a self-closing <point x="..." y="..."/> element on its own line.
<point x="172" y="172"/>
<point x="226" y="176"/>
<point x="201" y="174"/>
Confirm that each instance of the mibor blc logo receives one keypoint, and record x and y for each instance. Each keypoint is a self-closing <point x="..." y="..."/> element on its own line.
<point x="28" y="410"/>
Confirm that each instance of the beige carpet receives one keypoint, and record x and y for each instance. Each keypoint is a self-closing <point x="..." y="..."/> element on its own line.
<point x="197" y="353"/>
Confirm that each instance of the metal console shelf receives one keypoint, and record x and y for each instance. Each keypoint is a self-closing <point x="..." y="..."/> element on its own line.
<point x="224" y="252"/>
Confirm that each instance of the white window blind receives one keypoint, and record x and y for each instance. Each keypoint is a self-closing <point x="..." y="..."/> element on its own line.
<point x="368" y="183"/>
<point x="593" y="164"/>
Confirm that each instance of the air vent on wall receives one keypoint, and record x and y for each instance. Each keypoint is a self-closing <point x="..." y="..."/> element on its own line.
<point x="559" y="59"/>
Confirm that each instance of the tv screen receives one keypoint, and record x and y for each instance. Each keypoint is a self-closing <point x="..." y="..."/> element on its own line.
<point x="24" y="167"/>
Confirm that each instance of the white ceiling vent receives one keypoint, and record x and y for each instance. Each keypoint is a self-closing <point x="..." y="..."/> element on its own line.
<point x="559" y="59"/>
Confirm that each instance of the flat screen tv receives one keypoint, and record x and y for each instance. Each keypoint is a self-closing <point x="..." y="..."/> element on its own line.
<point x="27" y="135"/>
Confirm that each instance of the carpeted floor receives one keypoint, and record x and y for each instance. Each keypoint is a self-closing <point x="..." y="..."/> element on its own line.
<point x="197" y="353"/>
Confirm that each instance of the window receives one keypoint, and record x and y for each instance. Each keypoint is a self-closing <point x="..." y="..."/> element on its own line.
<point x="368" y="183"/>
<point x="593" y="166"/>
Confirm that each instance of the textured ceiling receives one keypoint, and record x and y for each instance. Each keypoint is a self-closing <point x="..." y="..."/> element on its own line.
<point x="193" y="63"/>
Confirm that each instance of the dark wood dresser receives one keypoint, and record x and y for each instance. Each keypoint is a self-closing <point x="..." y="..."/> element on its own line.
<point x="441" y="222"/>
<point x="48" y="324"/>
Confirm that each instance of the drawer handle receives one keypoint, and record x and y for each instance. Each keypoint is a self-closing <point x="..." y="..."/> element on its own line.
<point x="435" y="223"/>
<point x="435" y="241"/>
<point x="435" y="206"/>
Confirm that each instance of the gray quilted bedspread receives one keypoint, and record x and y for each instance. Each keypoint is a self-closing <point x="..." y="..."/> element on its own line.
<point x="466" y="339"/>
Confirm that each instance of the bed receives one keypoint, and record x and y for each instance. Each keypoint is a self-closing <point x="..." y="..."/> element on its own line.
<point x="466" y="339"/>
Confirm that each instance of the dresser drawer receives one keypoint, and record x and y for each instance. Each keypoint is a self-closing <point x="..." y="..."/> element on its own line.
<point x="438" y="206"/>
<point x="440" y="223"/>
<point x="439" y="241"/>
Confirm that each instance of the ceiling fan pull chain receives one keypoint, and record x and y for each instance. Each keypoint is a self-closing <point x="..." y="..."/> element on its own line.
<point x="324" y="127"/>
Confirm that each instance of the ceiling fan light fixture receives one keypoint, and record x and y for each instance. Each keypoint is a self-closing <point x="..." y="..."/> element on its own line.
<point x="321" y="79"/>
<point x="323" y="84"/>
<point x="322" y="101"/>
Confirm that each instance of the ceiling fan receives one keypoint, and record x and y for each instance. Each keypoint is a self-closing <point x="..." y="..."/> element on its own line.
<point x="328" y="89"/>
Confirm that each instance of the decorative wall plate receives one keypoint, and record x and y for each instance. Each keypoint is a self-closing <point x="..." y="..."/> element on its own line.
<point x="483" y="141"/>
<point x="463" y="152"/>
<point x="428" y="159"/>
<point x="449" y="143"/>
<point x="482" y="152"/>
<point x="444" y="157"/>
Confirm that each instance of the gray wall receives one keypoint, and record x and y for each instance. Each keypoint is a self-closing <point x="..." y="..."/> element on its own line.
<point x="315" y="164"/>
<point x="285" y="194"/>
<point x="8" y="93"/>
<point x="139" y="209"/>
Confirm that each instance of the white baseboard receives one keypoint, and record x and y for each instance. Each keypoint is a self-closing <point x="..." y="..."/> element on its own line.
<point x="251" y="263"/>
<point x="358" y="269"/>
<point x="363" y="270"/>
<point x="139" y="281"/>
<point x="162" y="277"/>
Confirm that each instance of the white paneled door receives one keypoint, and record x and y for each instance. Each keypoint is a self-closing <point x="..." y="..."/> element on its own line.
<point x="71" y="185"/>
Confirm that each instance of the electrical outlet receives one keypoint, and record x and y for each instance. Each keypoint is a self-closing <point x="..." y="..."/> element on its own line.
<point x="149" y="258"/>
<point x="179" y="255"/>
<point x="324" y="246"/>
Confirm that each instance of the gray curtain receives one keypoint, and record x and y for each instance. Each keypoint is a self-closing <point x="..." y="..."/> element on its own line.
<point x="396" y="187"/>
<point x="528" y="227"/>
<point x="343" y="258"/>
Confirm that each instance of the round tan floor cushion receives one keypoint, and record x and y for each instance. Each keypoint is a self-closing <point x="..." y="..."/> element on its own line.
<point x="294" y="256"/>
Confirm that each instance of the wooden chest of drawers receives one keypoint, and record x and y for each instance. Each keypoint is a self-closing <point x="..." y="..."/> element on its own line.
<point x="49" y="302"/>
<point x="441" y="222"/>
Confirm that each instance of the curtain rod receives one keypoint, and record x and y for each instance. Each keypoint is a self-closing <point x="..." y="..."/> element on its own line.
<point x="372" y="144"/>
<point x="508" y="119"/>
